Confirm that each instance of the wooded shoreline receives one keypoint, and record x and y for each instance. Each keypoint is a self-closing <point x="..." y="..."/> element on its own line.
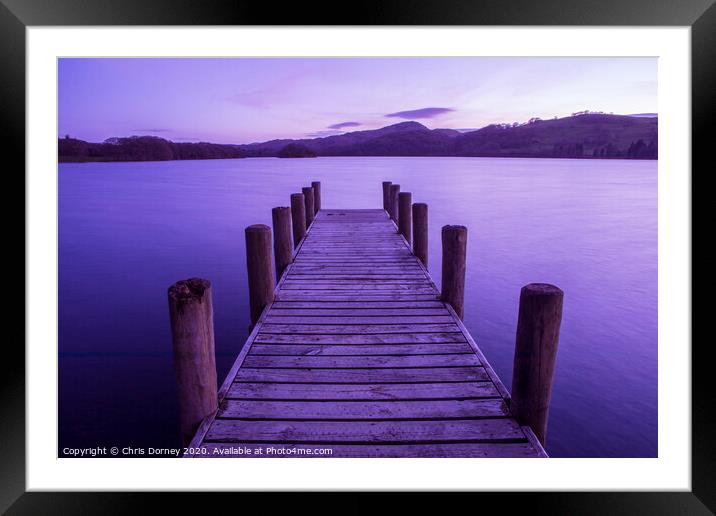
<point x="585" y="136"/>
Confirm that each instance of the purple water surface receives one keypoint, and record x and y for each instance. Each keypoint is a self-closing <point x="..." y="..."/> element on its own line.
<point x="129" y="230"/>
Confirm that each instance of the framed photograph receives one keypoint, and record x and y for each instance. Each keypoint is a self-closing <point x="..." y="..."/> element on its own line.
<point x="437" y="247"/>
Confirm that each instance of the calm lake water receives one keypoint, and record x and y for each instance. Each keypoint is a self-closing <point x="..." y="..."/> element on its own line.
<point x="129" y="230"/>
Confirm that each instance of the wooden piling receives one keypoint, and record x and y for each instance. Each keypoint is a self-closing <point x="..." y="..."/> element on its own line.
<point x="192" y="327"/>
<point x="405" y="215"/>
<point x="298" y="217"/>
<point x="316" y="185"/>
<point x="282" y="244"/>
<point x="420" y="232"/>
<point x="260" y="269"/>
<point x="454" y="240"/>
<point x="538" y="324"/>
<point x="310" y="207"/>
<point x="386" y="195"/>
<point x="393" y="212"/>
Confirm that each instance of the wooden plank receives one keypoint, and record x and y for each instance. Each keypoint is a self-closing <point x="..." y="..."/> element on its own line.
<point x="355" y="271"/>
<point x="350" y="261"/>
<point x="356" y="280"/>
<point x="372" y="245"/>
<point x="394" y="262"/>
<point x="357" y="328"/>
<point x="358" y="312"/>
<point x="352" y="295"/>
<point x="356" y="392"/>
<point x="377" y="338"/>
<point x="368" y="250"/>
<point x="350" y="258"/>
<point x="360" y="349"/>
<point x="478" y="352"/>
<point x="358" y="305"/>
<point x="349" y="241"/>
<point x="362" y="410"/>
<point x="470" y="430"/>
<point x="534" y="441"/>
<point x="333" y="250"/>
<point x="345" y="319"/>
<point x="355" y="275"/>
<point x="340" y="362"/>
<point x="371" y="248"/>
<point x="418" y="284"/>
<point x="373" y="268"/>
<point x="402" y="257"/>
<point x="368" y="247"/>
<point x="299" y="275"/>
<point x="447" y="450"/>
<point x="405" y="375"/>
<point x="355" y="287"/>
<point x="302" y="295"/>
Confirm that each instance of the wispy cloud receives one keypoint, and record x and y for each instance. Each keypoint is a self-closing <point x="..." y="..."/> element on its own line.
<point x="428" y="112"/>
<point x="323" y="134"/>
<point x="344" y="124"/>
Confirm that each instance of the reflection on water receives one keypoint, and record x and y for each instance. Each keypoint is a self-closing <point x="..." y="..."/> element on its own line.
<point x="129" y="230"/>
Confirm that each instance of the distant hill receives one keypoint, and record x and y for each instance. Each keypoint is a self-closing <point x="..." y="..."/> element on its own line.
<point x="580" y="136"/>
<point x="590" y="135"/>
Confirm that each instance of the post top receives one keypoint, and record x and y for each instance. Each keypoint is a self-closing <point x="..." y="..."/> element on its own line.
<point x="454" y="228"/>
<point x="541" y="289"/>
<point x="404" y="194"/>
<point x="280" y="208"/>
<point x="395" y="185"/>
<point x="191" y="289"/>
<point x="296" y="195"/>
<point x="315" y="183"/>
<point x="420" y="205"/>
<point x="258" y="228"/>
<point x="387" y="183"/>
<point x="305" y="188"/>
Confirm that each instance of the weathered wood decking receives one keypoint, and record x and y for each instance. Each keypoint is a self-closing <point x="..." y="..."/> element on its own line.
<point x="358" y="354"/>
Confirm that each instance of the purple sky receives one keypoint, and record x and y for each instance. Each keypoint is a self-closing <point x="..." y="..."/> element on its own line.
<point x="242" y="100"/>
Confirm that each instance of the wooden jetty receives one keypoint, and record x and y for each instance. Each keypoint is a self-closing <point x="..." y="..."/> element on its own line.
<point x="356" y="351"/>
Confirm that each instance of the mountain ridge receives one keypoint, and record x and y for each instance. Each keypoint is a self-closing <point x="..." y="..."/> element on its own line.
<point x="585" y="135"/>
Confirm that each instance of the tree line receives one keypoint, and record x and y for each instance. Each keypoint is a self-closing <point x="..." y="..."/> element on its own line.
<point x="143" y="148"/>
<point x="636" y="150"/>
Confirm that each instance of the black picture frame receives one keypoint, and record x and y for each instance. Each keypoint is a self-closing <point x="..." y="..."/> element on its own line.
<point x="17" y="15"/>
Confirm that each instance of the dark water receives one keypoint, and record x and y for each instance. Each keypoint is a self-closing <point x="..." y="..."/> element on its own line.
<point x="129" y="230"/>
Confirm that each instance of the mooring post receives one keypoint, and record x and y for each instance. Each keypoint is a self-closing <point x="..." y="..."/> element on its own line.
<point x="298" y="217"/>
<point x="405" y="215"/>
<point x="420" y="232"/>
<point x="386" y="195"/>
<point x="538" y="323"/>
<point x="282" y="244"/>
<point x="316" y="185"/>
<point x="308" y="199"/>
<point x="453" y="278"/>
<point x="260" y="268"/>
<point x="192" y="326"/>
<point x="394" y="192"/>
